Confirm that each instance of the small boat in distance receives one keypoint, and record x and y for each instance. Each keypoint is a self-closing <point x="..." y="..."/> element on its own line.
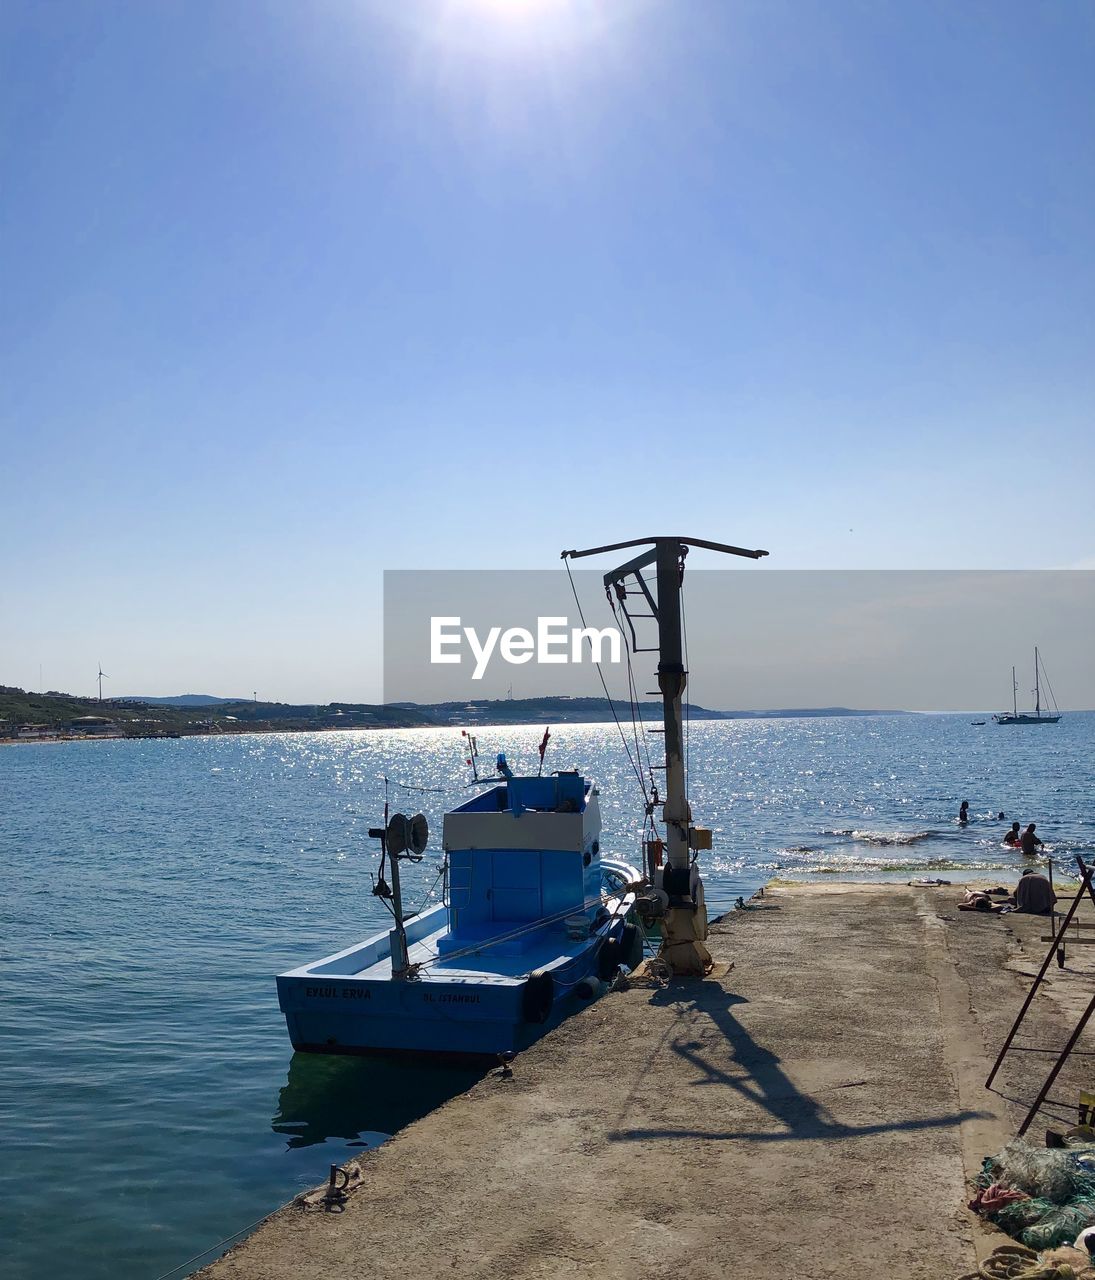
<point x="1015" y="716"/>
<point x="977" y="722"/>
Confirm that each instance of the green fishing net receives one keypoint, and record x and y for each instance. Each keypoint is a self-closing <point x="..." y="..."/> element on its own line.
<point x="1060" y="1183"/>
<point x="1060" y="1226"/>
<point x="1016" y="1217"/>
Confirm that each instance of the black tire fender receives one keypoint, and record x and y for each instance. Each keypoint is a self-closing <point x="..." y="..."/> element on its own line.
<point x="609" y="959"/>
<point x="538" y="997"/>
<point x="631" y="945"/>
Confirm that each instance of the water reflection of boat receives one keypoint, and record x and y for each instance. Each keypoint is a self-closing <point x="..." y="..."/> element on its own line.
<point x="361" y="1100"/>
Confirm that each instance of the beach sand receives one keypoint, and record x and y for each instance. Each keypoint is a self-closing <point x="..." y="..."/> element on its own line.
<point x="814" y="1108"/>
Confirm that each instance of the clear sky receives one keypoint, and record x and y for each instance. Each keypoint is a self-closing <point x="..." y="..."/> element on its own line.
<point x="294" y="293"/>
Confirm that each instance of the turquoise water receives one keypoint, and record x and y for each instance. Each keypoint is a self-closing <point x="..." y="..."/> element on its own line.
<point x="152" y="1105"/>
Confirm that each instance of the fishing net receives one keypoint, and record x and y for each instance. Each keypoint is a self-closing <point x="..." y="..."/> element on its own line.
<point x="1060" y="1184"/>
<point x="1060" y="1226"/>
<point x="1016" y="1217"/>
<point x="1057" y="1174"/>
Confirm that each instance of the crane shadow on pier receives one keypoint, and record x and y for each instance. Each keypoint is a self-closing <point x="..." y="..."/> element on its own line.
<point x="759" y="1079"/>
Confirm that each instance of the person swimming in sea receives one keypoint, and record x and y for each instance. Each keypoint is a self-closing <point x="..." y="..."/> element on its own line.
<point x="1029" y="842"/>
<point x="1012" y="838"/>
<point x="964" y="812"/>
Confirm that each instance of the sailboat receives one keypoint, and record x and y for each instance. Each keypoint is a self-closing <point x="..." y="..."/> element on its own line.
<point x="1015" y="716"/>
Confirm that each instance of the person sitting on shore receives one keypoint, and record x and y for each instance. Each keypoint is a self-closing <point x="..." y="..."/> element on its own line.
<point x="964" y="812"/>
<point x="1013" y="836"/>
<point x="1029" y="842"/>
<point x="1034" y="895"/>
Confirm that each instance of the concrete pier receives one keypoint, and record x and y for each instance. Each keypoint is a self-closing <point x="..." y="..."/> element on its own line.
<point x="812" y="1109"/>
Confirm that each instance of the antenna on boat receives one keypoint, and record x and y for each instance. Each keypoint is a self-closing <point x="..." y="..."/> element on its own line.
<point x="685" y="925"/>
<point x="472" y="755"/>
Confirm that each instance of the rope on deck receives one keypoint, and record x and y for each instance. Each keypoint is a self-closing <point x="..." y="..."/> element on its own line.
<point x="1017" y="1262"/>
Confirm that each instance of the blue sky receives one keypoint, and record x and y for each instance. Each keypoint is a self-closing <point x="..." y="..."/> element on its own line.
<point x="292" y="294"/>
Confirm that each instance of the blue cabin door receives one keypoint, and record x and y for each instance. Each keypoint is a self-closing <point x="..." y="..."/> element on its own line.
<point x="516" y="889"/>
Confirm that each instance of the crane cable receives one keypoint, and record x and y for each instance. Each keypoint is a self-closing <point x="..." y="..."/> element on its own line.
<point x="650" y="798"/>
<point x="687" y="693"/>
<point x="604" y="685"/>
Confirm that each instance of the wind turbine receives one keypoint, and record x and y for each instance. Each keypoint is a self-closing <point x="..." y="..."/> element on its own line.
<point x="102" y="676"/>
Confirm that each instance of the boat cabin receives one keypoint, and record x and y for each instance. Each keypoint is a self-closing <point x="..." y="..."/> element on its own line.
<point x="526" y="850"/>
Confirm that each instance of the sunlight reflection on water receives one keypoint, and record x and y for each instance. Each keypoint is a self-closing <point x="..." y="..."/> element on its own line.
<point x="155" y="887"/>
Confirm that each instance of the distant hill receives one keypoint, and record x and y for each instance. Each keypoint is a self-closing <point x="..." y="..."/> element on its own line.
<point x="181" y="700"/>
<point x="593" y="710"/>
<point x="156" y="717"/>
<point x="199" y="713"/>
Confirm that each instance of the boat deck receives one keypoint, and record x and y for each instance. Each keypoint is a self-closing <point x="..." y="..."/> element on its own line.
<point x="493" y="964"/>
<point x="504" y="963"/>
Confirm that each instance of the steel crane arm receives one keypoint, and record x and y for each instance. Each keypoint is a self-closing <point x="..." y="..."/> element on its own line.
<point x="688" y="542"/>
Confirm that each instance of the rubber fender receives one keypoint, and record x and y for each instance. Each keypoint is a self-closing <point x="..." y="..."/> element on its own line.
<point x="631" y="946"/>
<point x="538" y="997"/>
<point x="609" y="959"/>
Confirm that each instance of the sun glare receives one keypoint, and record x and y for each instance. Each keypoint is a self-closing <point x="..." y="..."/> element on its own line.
<point x="519" y="8"/>
<point x="514" y="28"/>
<point x="513" y="56"/>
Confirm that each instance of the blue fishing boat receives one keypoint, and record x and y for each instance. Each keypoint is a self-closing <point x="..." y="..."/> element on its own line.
<point x="533" y="916"/>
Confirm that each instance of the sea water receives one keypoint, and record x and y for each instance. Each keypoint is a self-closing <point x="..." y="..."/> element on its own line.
<point x="151" y="1105"/>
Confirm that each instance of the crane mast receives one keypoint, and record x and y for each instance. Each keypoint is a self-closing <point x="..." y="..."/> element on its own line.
<point x="684" y="928"/>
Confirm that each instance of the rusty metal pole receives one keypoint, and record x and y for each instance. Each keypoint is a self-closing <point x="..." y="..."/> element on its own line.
<point x="1057" y="1067"/>
<point x="1057" y="941"/>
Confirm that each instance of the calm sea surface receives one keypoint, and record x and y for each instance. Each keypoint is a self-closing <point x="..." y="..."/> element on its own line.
<point x="151" y="1105"/>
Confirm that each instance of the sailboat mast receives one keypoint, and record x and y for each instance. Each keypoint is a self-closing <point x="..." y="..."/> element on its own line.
<point x="1014" y="694"/>
<point x="1037" y="693"/>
